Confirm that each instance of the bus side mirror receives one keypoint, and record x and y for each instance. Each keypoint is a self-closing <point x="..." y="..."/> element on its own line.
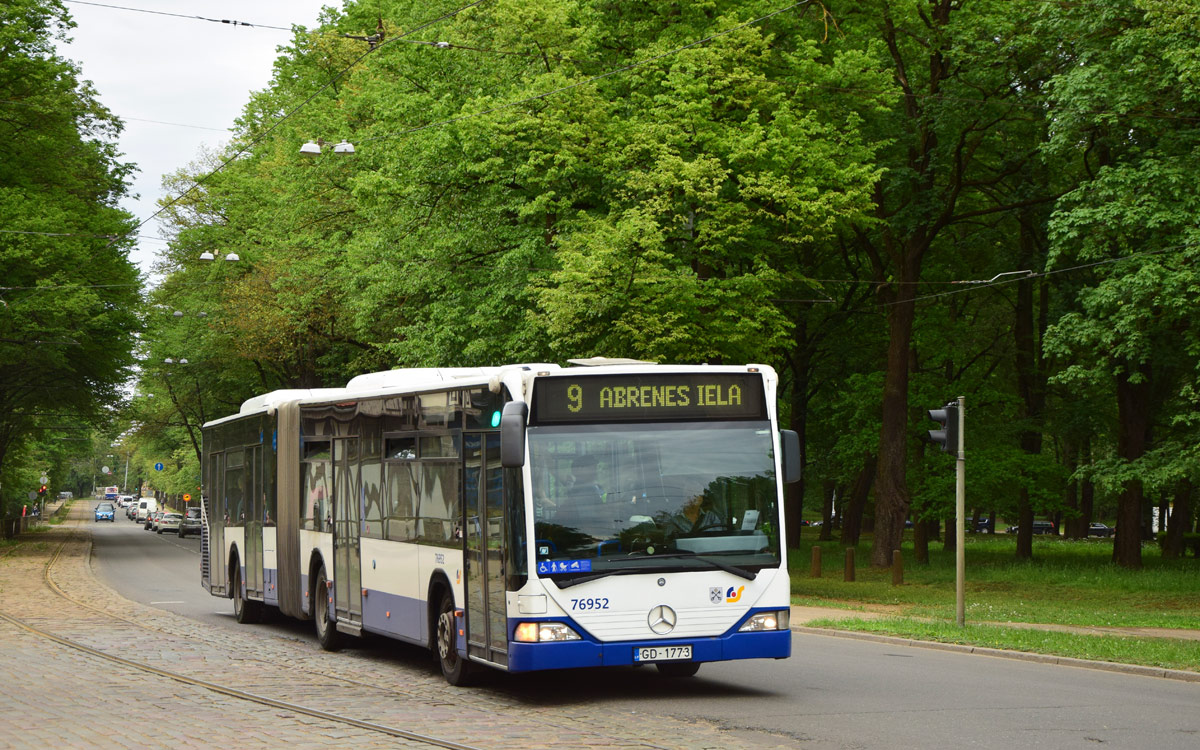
<point x="512" y="434"/>
<point x="790" y="443"/>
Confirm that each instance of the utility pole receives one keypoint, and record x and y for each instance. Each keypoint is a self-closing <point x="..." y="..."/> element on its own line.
<point x="960" y="506"/>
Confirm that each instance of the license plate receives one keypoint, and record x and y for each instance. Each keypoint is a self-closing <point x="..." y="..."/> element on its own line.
<point x="662" y="653"/>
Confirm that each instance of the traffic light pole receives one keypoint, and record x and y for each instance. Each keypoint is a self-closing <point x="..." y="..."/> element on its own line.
<point x="960" y="512"/>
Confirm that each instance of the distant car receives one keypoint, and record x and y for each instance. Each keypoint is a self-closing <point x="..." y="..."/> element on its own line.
<point x="1039" y="527"/>
<point x="106" y="512"/>
<point x="190" y="523"/>
<point x="168" y="522"/>
<point x="982" y="526"/>
<point x="1099" y="529"/>
<point x="151" y="520"/>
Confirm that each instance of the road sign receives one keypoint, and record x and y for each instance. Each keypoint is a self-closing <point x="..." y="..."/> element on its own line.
<point x="45" y="479"/>
<point x="105" y="470"/>
<point x="187" y="498"/>
<point x="158" y="467"/>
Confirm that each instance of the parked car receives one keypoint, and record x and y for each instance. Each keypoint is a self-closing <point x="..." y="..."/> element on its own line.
<point x="1039" y="527"/>
<point x="1099" y="529"/>
<point x="151" y="519"/>
<point x="106" y="512"/>
<point x="190" y="523"/>
<point x="983" y="526"/>
<point x="168" y="522"/>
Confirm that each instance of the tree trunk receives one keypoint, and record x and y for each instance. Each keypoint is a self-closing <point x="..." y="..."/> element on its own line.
<point x="1133" y="410"/>
<point x="1024" y="527"/>
<point x="1181" y="520"/>
<point x="921" y="542"/>
<point x="1031" y="379"/>
<point x="852" y="520"/>
<point x="1076" y="525"/>
<point x="830" y="494"/>
<point x="793" y="502"/>
<point x="891" y="486"/>
<point x="1087" y="490"/>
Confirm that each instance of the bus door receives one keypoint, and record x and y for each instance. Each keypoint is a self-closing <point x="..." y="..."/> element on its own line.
<point x="213" y="499"/>
<point x="347" y="573"/>
<point x="483" y="525"/>
<point x="254" y="524"/>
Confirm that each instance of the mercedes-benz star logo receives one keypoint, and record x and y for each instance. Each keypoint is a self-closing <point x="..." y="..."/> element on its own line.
<point x="662" y="619"/>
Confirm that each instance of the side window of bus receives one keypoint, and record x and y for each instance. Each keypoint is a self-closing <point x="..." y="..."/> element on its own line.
<point x="372" y="497"/>
<point x="441" y="504"/>
<point x="235" y="491"/>
<point x="317" y="493"/>
<point x="400" y="523"/>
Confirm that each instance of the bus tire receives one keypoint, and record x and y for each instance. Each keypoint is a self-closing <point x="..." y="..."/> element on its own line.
<point x="678" y="668"/>
<point x="245" y="611"/>
<point x="327" y="633"/>
<point x="457" y="670"/>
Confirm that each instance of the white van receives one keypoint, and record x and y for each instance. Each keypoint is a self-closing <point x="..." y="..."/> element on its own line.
<point x="146" y="506"/>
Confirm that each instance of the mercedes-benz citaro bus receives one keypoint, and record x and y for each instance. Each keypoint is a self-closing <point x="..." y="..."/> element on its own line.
<point x="525" y="517"/>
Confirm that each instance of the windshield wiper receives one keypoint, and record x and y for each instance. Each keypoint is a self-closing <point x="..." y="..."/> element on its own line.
<point x="567" y="583"/>
<point x="739" y="572"/>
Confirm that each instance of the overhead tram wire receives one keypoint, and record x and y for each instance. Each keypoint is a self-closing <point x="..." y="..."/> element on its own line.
<point x="297" y="108"/>
<point x="180" y="15"/>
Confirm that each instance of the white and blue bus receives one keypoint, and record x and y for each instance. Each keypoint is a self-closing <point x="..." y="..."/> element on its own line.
<point x="525" y="517"/>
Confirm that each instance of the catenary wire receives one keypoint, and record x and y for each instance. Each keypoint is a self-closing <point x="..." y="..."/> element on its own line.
<point x="180" y="15"/>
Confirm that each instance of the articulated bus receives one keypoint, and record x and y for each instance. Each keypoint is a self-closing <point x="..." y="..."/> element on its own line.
<point x="525" y="517"/>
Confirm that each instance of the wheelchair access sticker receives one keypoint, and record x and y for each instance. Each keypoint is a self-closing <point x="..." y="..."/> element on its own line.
<point x="550" y="567"/>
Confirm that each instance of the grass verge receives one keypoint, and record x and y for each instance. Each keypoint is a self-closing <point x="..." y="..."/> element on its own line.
<point x="1070" y="583"/>
<point x="1152" y="652"/>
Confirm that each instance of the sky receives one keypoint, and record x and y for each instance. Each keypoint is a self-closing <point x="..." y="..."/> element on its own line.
<point x="177" y="83"/>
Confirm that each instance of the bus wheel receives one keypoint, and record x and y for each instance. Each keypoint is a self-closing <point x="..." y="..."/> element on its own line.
<point x="678" y="668"/>
<point x="327" y="632"/>
<point x="245" y="611"/>
<point x="455" y="669"/>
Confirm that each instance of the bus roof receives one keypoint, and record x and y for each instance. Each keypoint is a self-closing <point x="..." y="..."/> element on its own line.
<point x="417" y="379"/>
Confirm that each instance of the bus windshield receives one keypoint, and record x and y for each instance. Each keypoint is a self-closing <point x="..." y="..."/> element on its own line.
<point x="653" y="497"/>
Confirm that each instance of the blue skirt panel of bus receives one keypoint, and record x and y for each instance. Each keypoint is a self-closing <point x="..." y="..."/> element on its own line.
<point x="525" y="657"/>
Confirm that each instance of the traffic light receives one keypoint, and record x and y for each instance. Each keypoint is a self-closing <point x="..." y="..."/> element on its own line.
<point x="947" y="437"/>
<point x="42" y="491"/>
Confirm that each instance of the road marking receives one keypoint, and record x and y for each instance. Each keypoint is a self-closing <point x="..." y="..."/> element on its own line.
<point x="177" y="602"/>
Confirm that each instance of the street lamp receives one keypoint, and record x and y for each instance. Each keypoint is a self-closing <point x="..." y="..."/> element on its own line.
<point x="313" y="149"/>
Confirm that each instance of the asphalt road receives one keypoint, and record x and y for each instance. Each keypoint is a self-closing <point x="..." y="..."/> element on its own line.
<point x="833" y="692"/>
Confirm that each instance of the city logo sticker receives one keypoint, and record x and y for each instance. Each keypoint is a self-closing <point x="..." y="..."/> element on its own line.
<point x="733" y="596"/>
<point x="714" y="595"/>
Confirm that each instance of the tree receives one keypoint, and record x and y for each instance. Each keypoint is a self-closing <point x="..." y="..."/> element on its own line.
<point x="1129" y="99"/>
<point x="70" y="295"/>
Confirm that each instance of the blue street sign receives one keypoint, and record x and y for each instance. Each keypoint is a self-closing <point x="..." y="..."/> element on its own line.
<point x="158" y="467"/>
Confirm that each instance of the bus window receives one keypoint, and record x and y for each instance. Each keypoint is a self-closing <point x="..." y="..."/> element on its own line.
<point x="402" y="489"/>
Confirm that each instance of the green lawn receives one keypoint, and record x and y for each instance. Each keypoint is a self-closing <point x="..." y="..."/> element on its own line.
<point x="1067" y="583"/>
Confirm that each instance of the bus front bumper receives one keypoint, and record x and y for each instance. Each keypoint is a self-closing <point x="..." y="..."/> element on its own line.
<point x="528" y="657"/>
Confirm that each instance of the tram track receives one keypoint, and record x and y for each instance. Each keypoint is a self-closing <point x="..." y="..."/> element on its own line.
<point x="75" y="534"/>
<point x="226" y="690"/>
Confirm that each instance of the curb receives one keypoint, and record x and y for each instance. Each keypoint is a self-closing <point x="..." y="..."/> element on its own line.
<point x="1064" y="661"/>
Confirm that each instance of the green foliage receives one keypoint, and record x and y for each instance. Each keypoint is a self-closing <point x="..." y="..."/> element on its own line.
<point x="574" y="178"/>
<point x="69" y="300"/>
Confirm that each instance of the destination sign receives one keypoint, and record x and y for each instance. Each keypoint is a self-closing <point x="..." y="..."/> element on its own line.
<point x="648" y="397"/>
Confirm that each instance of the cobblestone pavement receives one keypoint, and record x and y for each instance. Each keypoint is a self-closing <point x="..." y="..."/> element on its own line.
<point x="56" y="695"/>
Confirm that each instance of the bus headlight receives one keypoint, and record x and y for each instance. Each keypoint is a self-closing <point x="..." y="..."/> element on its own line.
<point x="778" y="620"/>
<point x="542" y="632"/>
